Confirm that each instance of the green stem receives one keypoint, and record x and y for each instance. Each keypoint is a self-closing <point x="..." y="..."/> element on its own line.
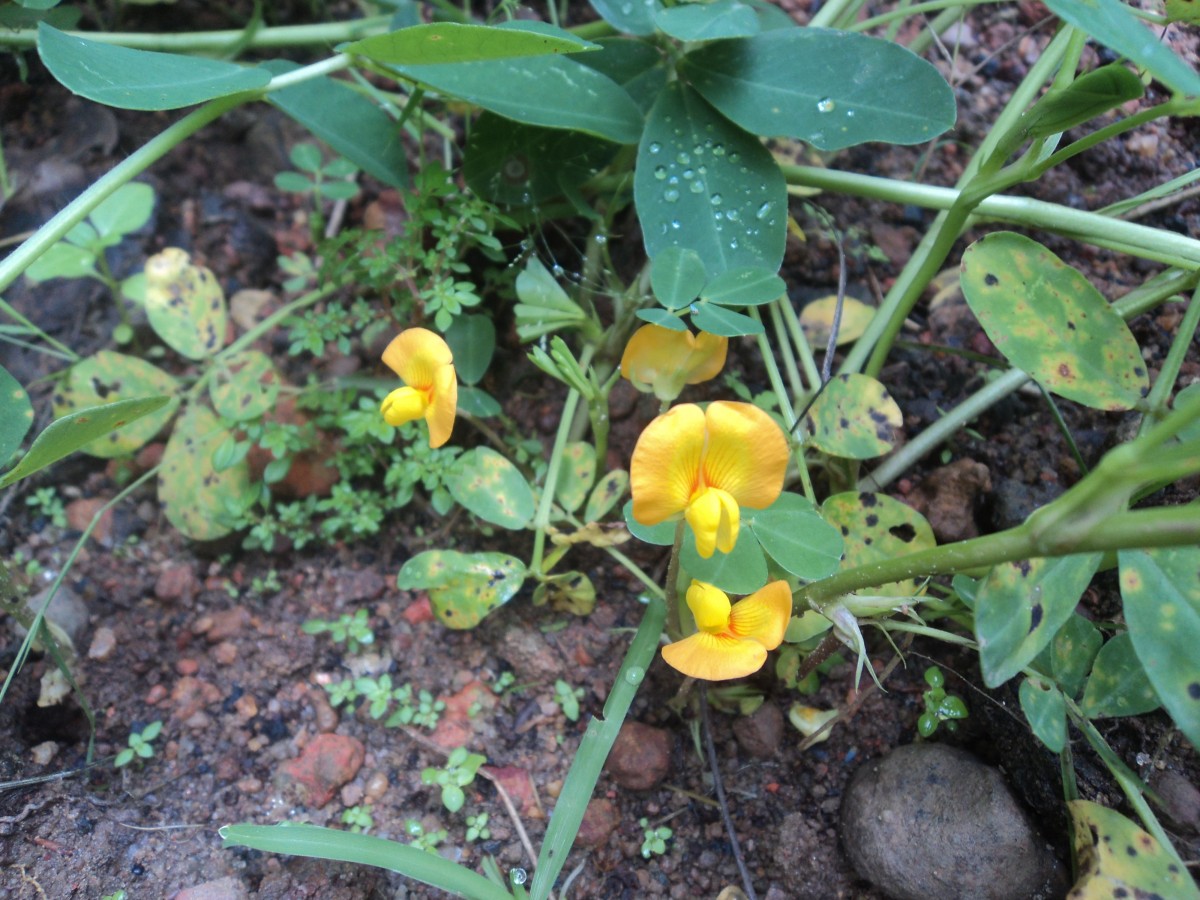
<point x="785" y="350"/>
<point x="674" y="622"/>
<point x="1156" y="401"/>
<point x="324" y="34"/>
<point x="777" y="385"/>
<point x="915" y="10"/>
<point x="800" y="342"/>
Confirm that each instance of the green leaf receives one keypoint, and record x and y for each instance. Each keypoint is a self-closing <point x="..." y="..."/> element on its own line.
<point x="637" y="66"/>
<point x="78" y="429"/>
<point x="741" y="571"/>
<point x="662" y="534"/>
<point x="1046" y="710"/>
<point x="605" y="495"/>
<point x="1047" y="319"/>
<point x="195" y="496"/>
<point x="552" y="91"/>
<point x="1192" y="431"/>
<point x="244" y="386"/>
<point x="363" y="849"/>
<point x="472" y="340"/>
<point x="577" y="471"/>
<point x="1183" y="11"/>
<point x="708" y="21"/>
<point x="631" y="16"/>
<point x="876" y="527"/>
<point x="515" y="164"/>
<point x="1085" y="98"/>
<point x="723" y="322"/>
<point x="449" y="42"/>
<point x="463" y="587"/>
<point x="1161" y="593"/>
<point x="853" y="417"/>
<point x="705" y="185"/>
<point x="185" y="304"/>
<point x="62" y="260"/>
<point x="140" y="79"/>
<point x="744" y="287"/>
<point x="1111" y="23"/>
<point x="1118" y="685"/>
<point x="492" y="488"/>
<point x="663" y="318"/>
<point x="16" y="415"/>
<point x="477" y="402"/>
<point x="1072" y="652"/>
<point x="544" y="306"/>
<point x="794" y="534"/>
<point x="1020" y="607"/>
<point x="833" y="89"/>
<point x="1118" y="859"/>
<point x="677" y="276"/>
<point x="123" y="212"/>
<point x="347" y="121"/>
<point x="108" y="377"/>
<point x="816" y="319"/>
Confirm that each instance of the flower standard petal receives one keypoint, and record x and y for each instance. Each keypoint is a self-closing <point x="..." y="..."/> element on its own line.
<point x="443" y="406"/>
<point x="746" y="454"/>
<point x="715" y="657"/>
<point x="707" y="358"/>
<point x="664" y="470"/>
<point x="416" y="354"/>
<point x="661" y="360"/>
<point x="763" y="616"/>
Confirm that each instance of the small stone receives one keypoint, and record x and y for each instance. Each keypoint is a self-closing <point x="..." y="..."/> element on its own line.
<point x="187" y="666"/>
<point x="43" y="753"/>
<point x="325" y="715"/>
<point x="104" y="642"/>
<point x="67" y="611"/>
<point x="156" y="695"/>
<point x="248" y="307"/>
<point x="600" y="819"/>
<point x="228" y="623"/>
<point x="949" y="496"/>
<point x="353" y="586"/>
<point x="376" y="787"/>
<point x="530" y="655"/>
<point x="418" y="611"/>
<point x="640" y="757"/>
<point x="190" y="695"/>
<point x="327" y="763"/>
<point x="518" y="784"/>
<point x="931" y="822"/>
<point x="351" y="795"/>
<point x="246" y="707"/>
<point x="225" y="653"/>
<point x="227" y="888"/>
<point x="249" y="785"/>
<point x="177" y="582"/>
<point x="1181" y="800"/>
<point x="760" y="733"/>
<point x="80" y="514"/>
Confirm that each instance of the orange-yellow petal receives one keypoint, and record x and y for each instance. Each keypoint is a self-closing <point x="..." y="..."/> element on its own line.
<point x="443" y="406"/>
<point x="661" y="360"/>
<point x="715" y="657"/>
<point x="665" y="466"/>
<point x="763" y="616"/>
<point x="403" y="405"/>
<point x="746" y="454"/>
<point x="714" y="517"/>
<point x="710" y="607"/>
<point x="416" y="355"/>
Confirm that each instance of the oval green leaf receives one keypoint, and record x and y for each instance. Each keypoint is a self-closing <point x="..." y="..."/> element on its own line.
<point x="1161" y="593"/>
<point x="744" y="287"/>
<point x="708" y="21"/>
<point x="606" y="494"/>
<point x="78" y="429"/>
<point x="244" y="386"/>
<point x="662" y="534"/>
<point x="795" y="536"/>
<point x="463" y="587"/>
<point x="577" y="471"/>
<point x="853" y="417"/>
<point x="743" y="570"/>
<point x="1118" y="859"/>
<point x="1118" y="685"/>
<point x="472" y="340"/>
<point x="705" y="185"/>
<point x="477" y="402"/>
<point x="723" y="322"/>
<point x="833" y="89"/>
<point x="1049" y="321"/>
<point x="197" y="499"/>
<point x="1021" y="605"/>
<point x="140" y="79"/>
<point x="16" y="415"/>
<point x="106" y="378"/>
<point x="124" y="211"/>
<point x="677" y="276"/>
<point x="876" y="527"/>
<point x="1085" y="98"/>
<point x="630" y="16"/>
<point x="450" y="42"/>
<point x="491" y="487"/>
<point x="185" y="304"/>
<point x="663" y="318"/>
<point x="1072" y="651"/>
<point x="1046" y="710"/>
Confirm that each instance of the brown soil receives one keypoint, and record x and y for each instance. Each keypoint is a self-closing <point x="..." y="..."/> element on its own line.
<point x="238" y="685"/>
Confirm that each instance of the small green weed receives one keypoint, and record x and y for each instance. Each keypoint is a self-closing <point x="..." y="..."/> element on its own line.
<point x="477" y="829"/>
<point x="140" y="745"/>
<point x="48" y="503"/>
<point x="352" y="630"/>
<point x="459" y="771"/>
<point x="568" y="699"/>
<point x="940" y="707"/>
<point x="654" y="839"/>
<point x="359" y="818"/>
<point x="422" y="839"/>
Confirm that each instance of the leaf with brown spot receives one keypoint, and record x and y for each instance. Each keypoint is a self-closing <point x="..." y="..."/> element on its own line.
<point x="491" y="487"/>
<point x="197" y="499"/>
<point x="854" y="417"/>
<point x="185" y="304"/>
<point x="873" y="527"/>
<point x="245" y="386"/>
<point x="463" y="587"/>
<point x="1116" y="858"/>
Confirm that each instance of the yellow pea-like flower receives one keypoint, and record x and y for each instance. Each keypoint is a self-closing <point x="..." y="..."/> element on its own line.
<point x="703" y="464"/>
<point x="734" y="638"/>
<point x="426" y="366"/>
<point x="662" y="361"/>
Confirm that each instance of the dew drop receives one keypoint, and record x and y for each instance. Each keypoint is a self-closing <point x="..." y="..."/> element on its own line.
<point x="518" y="876"/>
<point x="675" y="223"/>
<point x="696" y="187"/>
<point x="660" y="172"/>
<point x="826" y="105"/>
<point x="716" y="199"/>
<point x="670" y="195"/>
<point x="718" y="149"/>
<point x="734" y="157"/>
<point x="849" y="114"/>
<point x="763" y="211"/>
<point x="601" y="239"/>
<point x="557" y="271"/>
<point x="683" y="159"/>
<point x="635" y="674"/>
<point x="655" y="147"/>
<point x="733" y="244"/>
<point x="689" y="174"/>
<point x="733" y="215"/>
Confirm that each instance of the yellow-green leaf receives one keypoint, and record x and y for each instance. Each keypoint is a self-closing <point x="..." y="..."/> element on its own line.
<point x="854" y="417"/>
<point x="875" y="527"/>
<point x="185" y="304"/>
<point x="1115" y="858"/>
<point x="817" y="319"/>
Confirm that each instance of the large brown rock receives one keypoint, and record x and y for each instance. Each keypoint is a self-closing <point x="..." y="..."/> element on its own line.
<point x="640" y="757"/>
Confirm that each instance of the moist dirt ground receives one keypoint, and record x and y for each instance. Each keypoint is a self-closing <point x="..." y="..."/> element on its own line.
<point x="208" y="639"/>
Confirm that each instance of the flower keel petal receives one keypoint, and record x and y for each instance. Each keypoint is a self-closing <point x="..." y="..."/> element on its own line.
<point x="715" y="657"/>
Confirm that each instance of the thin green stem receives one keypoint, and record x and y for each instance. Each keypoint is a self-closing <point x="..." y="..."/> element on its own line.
<point x="777" y="385"/>
<point x="800" y="342"/>
<point x="1156" y="401"/>
<point x="785" y="350"/>
<point x="674" y="621"/>
<point x="915" y="10"/>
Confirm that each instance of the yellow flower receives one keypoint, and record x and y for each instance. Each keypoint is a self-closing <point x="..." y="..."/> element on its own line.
<point x="661" y="360"/>
<point x="733" y="639"/>
<point x="703" y="465"/>
<point x="426" y="366"/>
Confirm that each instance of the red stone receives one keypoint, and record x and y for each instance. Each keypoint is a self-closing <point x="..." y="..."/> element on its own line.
<point x="327" y="763"/>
